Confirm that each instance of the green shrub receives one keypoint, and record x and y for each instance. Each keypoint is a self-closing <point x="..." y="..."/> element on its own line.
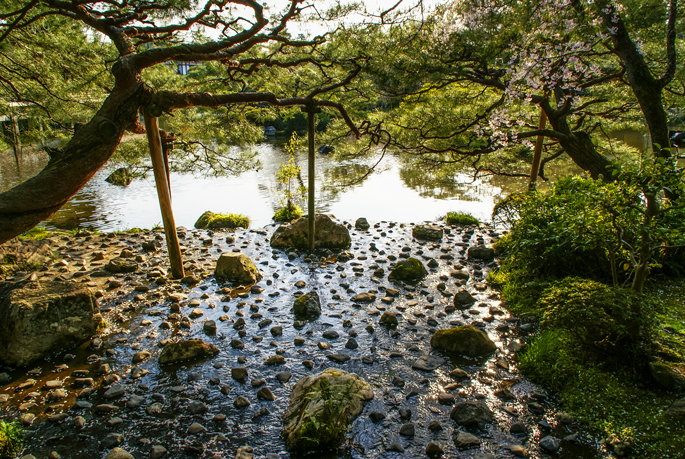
<point x="210" y="220"/>
<point x="288" y="213"/>
<point x="612" y="325"/>
<point x="551" y="359"/>
<point x="11" y="439"/>
<point x="461" y="218"/>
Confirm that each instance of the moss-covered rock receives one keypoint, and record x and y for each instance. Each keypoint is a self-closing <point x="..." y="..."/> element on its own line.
<point x="237" y="267"/>
<point x="307" y="307"/>
<point x="191" y="349"/>
<point x="669" y="376"/>
<point x="410" y="269"/>
<point x="465" y="340"/>
<point x="288" y="213"/>
<point x="120" y="177"/>
<point x="480" y="252"/>
<point x="327" y="234"/>
<point x="321" y="408"/>
<point x="461" y="218"/>
<point x="210" y="220"/>
<point x="429" y="232"/>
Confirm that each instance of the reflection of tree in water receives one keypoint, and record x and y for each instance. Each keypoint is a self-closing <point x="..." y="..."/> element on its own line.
<point x="337" y="179"/>
<point x="441" y="184"/>
<point x="30" y="163"/>
<point x="86" y="209"/>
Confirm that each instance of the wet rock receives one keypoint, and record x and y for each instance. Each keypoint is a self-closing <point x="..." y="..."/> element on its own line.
<point x="244" y="452"/>
<point x="157" y="451"/>
<point x="480" y="253"/>
<point x="283" y="377"/>
<point x="197" y="407"/>
<point x="410" y="269"/>
<point x="4" y="378"/>
<point x="361" y="224"/>
<point x="36" y="319"/>
<point x="472" y="414"/>
<point x="428" y="363"/>
<point x="465" y="440"/>
<point x="117" y="390"/>
<point x="677" y="408"/>
<point x="518" y="450"/>
<point x="237" y="267"/>
<point x="134" y="401"/>
<point x="433" y="449"/>
<point x="276" y="331"/>
<point x="241" y="402"/>
<point x="388" y="319"/>
<point x="463" y="299"/>
<point x="459" y="374"/>
<point x="140" y="357"/>
<point x="465" y="340"/>
<point x="239" y="373"/>
<point x="395" y="447"/>
<point x="111" y="440"/>
<point x="265" y="394"/>
<point x="408" y="429"/>
<point x="376" y="416"/>
<point x="209" y="327"/>
<point x="121" y="265"/>
<point x="186" y="350"/>
<point x="196" y="428"/>
<point x="351" y="344"/>
<point x="428" y="232"/>
<point x="669" y="376"/>
<point x="364" y="297"/>
<point x="118" y="453"/>
<point x="328" y="234"/>
<point x="307" y="404"/>
<point x="518" y="428"/>
<point x="483" y="456"/>
<point x="434" y="426"/>
<point x="338" y="358"/>
<point x="275" y="360"/>
<point x="550" y="444"/>
<point x="307" y="307"/>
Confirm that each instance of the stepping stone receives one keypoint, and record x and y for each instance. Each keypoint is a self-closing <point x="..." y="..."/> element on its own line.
<point x="428" y="363"/>
<point x="339" y="358"/>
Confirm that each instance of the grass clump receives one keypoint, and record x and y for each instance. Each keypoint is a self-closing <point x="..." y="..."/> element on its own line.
<point x="461" y="218"/>
<point x="38" y="233"/>
<point x="210" y="220"/>
<point x="288" y="213"/>
<point x="11" y="439"/>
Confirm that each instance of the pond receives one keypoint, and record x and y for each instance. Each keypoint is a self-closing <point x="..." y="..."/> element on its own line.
<point x="395" y="191"/>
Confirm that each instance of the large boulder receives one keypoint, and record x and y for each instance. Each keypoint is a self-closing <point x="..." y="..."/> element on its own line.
<point x="669" y="376"/>
<point x="327" y="234"/>
<point x="429" y="232"/>
<point x="211" y="220"/>
<point x="237" y="267"/>
<point x="410" y="269"/>
<point x="191" y="349"/>
<point x="465" y="340"/>
<point x="472" y="414"/>
<point x="307" y="307"/>
<point x="321" y="408"/>
<point x="37" y="319"/>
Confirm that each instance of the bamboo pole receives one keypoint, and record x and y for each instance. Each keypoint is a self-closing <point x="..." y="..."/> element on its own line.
<point x="164" y="195"/>
<point x="311" y="181"/>
<point x="535" y="167"/>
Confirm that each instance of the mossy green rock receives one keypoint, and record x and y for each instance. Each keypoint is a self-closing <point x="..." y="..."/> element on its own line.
<point x="120" y="177"/>
<point x="191" y="349"/>
<point x="321" y="408"/>
<point x="669" y="376"/>
<point x="327" y="234"/>
<point x="429" y="232"/>
<point x="210" y="220"/>
<point x="307" y="306"/>
<point x="465" y="340"/>
<point x="481" y="253"/>
<point x="409" y="269"/>
<point x="237" y="267"/>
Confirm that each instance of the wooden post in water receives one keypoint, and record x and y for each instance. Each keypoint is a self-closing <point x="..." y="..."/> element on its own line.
<point x="311" y="111"/>
<point x="535" y="168"/>
<point x="164" y="195"/>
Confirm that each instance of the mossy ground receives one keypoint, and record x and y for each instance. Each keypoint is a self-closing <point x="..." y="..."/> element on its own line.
<point x="461" y="218"/>
<point x="607" y="395"/>
<point x="210" y="220"/>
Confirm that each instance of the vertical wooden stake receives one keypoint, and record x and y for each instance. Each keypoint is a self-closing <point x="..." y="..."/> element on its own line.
<point x="311" y="181"/>
<point x="535" y="168"/>
<point x="161" y="182"/>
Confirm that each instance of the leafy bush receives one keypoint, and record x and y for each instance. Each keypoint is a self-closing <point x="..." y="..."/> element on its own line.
<point x="611" y="325"/>
<point x="288" y="213"/>
<point x="461" y="218"/>
<point x="551" y="359"/>
<point x="11" y="439"/>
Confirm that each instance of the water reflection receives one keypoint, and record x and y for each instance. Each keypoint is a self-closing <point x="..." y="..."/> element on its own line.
<point x="395" y="191"/>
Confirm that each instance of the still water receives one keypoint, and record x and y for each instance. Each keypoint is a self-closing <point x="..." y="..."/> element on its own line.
<point x="395" y="191"/>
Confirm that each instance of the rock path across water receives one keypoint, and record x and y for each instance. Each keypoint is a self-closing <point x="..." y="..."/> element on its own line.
<point x="113" y="393"/>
